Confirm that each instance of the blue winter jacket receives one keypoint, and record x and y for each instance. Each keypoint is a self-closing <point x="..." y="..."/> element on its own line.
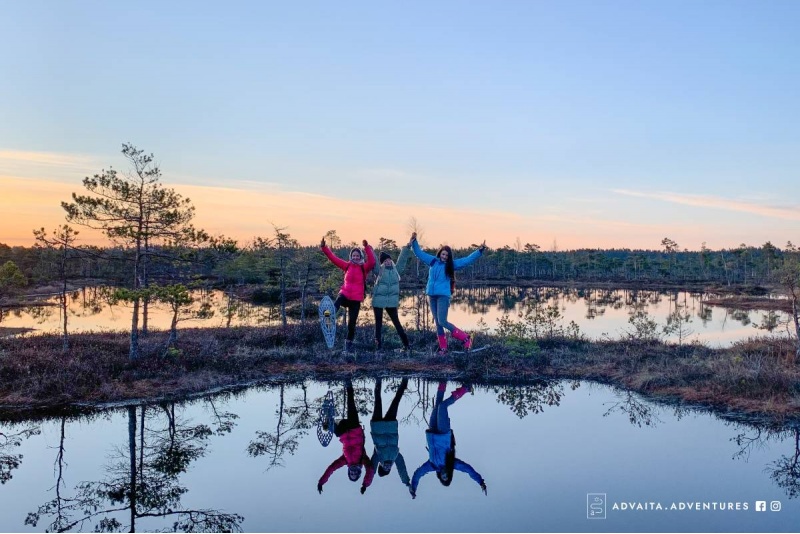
<point x="438" y="281"/>
<point x="438" y="447"/>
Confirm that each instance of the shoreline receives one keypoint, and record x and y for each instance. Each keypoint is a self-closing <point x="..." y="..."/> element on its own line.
<point x="755" y="379"/>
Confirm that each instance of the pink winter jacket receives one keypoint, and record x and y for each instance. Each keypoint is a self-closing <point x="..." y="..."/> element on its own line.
<point x="353" y="286"/>
<point x="353" y="442"/>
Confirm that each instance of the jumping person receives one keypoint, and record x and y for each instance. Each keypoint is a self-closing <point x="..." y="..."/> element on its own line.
<point x="442" y="444"/>
<point x="354" y="455"/>
<point x="441" y="280"/>
<point x="386" y="295"/>
<point x="385" y="435"/>
<point x="353" y="290"/>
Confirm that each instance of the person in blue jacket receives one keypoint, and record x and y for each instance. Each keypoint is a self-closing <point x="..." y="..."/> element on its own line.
<point x="442" y="445"/>
<point x="440" y="286"/>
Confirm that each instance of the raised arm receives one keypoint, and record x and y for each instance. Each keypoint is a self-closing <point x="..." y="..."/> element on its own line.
<point x="337" y="463"/>
<point x="340" y="263"/>
<point x="421" y="254"/>
<point x="370" y="472"/>
<point x="402" y="260"/>
<point x="421" y="471"/>
<point x="400" y="463"/>
<point x="370" y="262"/>
<point x="464" y="467"/>
<point x="460" y="263"/>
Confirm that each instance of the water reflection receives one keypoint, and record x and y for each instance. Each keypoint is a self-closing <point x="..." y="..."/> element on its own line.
<point x="354" y="453"/>
<point x="10" y="442"/>
<point x="190" y="466"/>
<point x="597" y="313"/>
<point x="293" y="422"/>
<point x="441" y="444"/>
<point x="532" y="398"/>
<point x="384" y="431"/>
<point x="142" y="480"/>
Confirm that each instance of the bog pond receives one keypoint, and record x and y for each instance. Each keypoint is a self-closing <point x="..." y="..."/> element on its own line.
<point x="556" y="456"/>
<point x="596" y="313"/>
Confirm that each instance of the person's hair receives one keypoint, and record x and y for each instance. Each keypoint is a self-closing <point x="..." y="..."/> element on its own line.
<point x="449" y="268"/>
<point x="449" y="462"/>
<point x="354" y="472"/>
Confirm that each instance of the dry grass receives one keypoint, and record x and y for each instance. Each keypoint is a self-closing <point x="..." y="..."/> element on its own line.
<point x="756" y="376"/>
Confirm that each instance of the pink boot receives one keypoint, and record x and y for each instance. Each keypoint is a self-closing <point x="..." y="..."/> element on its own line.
<point x="442" y="344"/>
<point x="460" y="392"/>
<point x="463" y="337"/>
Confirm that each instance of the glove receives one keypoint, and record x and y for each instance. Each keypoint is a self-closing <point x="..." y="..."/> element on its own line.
<point x="364" y="242"/>
<point x="413" y="493"/>
<point x="413" y="236"/>
<point x="483" y="487"/>
<point x="483" y="246"/>
<point x="319" y="488"/>
<point x="322" y="242"/>
<point x="363" y="489"/>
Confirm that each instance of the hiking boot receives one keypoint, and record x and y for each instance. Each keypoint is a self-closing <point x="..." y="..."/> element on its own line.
<point x="441" y="352"/>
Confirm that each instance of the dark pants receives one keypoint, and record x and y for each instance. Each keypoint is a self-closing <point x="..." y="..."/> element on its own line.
<point x="353" y="306"/>
<point x="392" y="312"/>
<point x="351" y="421"/>
<point x="391" y="414"/>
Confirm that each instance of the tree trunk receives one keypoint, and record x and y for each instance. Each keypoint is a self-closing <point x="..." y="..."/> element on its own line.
<point x="132" y="452"/>
<point x="796" y="317"/>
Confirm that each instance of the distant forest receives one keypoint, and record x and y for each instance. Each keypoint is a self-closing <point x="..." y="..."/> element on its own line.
<point x="279" y="261"/>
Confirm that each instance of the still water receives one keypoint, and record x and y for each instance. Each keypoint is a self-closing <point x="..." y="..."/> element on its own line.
<point x="252" y="461"/>
<point x="597" y="313"/>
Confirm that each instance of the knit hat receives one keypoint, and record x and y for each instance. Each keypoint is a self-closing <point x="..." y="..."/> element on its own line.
<point x="383" y="257"/>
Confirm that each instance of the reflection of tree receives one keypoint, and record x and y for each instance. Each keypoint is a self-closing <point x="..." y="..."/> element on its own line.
<point x="749" y="440"/>
<point x="639" y="413"/>
<point x="531" y="398"/>
<point x="8" y="459"/>
<point x="293" y="423"/>
<point x="143" y="483"/>
<point x="785" y="471"/>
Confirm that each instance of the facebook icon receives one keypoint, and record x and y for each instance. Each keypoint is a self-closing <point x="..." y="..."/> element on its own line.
<point x="761" y="506"/>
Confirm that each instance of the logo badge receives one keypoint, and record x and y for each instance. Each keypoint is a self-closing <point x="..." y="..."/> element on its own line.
<point x="596" y="505"/>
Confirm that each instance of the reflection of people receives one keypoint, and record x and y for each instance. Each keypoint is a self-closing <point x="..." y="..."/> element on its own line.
<point x="385" y="435"/>
<point x="355" y="284"/>
<point x="441" y="278"/>
<point x="354" y="455"/>
<point x="442" y="445"/>
<point x="386" y="295"/>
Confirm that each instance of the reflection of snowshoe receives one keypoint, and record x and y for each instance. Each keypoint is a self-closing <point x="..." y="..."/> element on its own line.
<point x="327" y="420"/>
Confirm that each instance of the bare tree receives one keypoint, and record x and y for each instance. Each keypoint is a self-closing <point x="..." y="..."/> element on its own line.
<point x="63" y="239"/>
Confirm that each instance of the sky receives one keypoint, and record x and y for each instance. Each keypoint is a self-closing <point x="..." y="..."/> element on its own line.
<point x="570" y="124"/>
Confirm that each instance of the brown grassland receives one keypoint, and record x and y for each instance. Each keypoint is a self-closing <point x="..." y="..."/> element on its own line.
<point x="757" y="377"/>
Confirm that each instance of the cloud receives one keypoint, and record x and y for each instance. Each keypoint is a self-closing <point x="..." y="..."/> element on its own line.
<point x="45" y="158"/>
<point x="789" y="214"/>
<point x="50" y="166"/>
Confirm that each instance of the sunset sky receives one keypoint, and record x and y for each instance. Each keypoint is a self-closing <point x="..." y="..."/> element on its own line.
<point x="571" y="124"/>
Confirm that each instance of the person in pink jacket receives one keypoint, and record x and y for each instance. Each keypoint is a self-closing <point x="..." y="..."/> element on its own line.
<point x="353" y="290"/>
<point x="354" y="453"/>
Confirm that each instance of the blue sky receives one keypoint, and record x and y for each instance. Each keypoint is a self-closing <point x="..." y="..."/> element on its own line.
<point x="585" y="124"/>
